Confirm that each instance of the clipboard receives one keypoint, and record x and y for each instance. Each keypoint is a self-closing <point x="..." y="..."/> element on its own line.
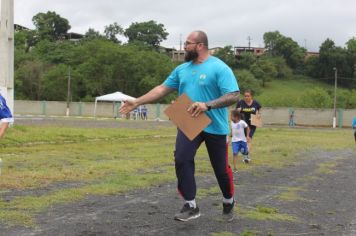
<point x="178" y="114"/>
<point x="256" y="120"/>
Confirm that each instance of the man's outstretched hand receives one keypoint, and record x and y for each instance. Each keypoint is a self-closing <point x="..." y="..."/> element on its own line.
<point x="128" y="106"/>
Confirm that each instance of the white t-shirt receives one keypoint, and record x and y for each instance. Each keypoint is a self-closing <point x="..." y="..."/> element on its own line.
<point x="238" y="131"/>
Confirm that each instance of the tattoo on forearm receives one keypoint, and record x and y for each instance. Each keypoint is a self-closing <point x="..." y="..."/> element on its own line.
<point x="225" y="100"/>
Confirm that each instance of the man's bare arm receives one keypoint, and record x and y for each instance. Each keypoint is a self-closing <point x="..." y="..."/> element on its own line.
<point x="152" y="96"/>
<point x="224" y="101"/>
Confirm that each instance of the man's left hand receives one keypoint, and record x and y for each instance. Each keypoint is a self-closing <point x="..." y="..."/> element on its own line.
<point x="196" y="108"/>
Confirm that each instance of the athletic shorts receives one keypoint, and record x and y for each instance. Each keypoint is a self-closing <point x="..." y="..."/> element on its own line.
<point x="239" y="146"/>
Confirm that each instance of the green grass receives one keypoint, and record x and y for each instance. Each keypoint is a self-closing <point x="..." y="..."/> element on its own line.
<point x="263" y="213"/>
<point x="286" y="93"/>
<point x="290" y="194"/>
<point x="110" y="161"/>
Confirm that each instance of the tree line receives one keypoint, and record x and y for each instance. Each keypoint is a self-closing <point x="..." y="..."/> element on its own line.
<point x="100" y="63"/>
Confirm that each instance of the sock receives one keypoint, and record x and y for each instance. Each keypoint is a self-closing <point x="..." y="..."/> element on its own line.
<point x="228" y="200"/>
<point x="192" y="203"/>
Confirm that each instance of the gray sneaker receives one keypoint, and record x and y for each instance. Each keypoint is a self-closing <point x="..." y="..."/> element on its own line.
<point x="228" y="211"/>
<point x="187" y="213"/>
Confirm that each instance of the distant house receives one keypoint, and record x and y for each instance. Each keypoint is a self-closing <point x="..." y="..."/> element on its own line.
<point x="178" y="55"/>
<point x="18" y="28"/>
<point x="311" y="54"/>
<point x="257" y="51"/>
<point x="74" y="37"/>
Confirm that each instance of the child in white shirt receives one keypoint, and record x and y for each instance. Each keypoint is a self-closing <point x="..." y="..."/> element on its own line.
<point x="238" y="137"/>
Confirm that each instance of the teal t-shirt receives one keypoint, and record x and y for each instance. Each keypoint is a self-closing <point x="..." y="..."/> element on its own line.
<point x="205" y="82"/>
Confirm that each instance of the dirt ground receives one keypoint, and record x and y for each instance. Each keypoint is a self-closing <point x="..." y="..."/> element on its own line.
<point x="326" y="204"/>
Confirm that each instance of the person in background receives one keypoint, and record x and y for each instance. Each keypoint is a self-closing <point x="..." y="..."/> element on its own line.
<point x="144" y="112"/>
<point x="354" y="127"/>
<point x="5" y="116"/>
<point x="246" y="107"/>
<point x="239" y="138"/>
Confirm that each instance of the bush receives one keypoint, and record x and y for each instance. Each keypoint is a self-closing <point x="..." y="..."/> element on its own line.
<point x="247" y="80"/>
<point x="316" y="98"/>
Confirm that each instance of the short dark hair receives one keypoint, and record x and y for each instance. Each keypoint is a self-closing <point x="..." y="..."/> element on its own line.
<point x="236" y="113"/>
<point x="202" y="38"/>
<point x="249" y="91"/>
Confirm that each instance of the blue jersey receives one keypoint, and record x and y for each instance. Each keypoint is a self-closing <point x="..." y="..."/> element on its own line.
<point x="5" y="113"/>
<point x="354" y="123"/>
<point x="205" y="82"/>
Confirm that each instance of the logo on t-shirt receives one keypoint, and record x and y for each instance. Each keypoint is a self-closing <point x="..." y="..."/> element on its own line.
<point x="202" y="78"/>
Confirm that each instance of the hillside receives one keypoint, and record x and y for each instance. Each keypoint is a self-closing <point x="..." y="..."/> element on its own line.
<point x="288" y="93"/>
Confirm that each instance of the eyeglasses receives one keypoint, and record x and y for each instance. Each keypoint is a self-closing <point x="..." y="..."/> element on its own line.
<point x="186" y="43"/>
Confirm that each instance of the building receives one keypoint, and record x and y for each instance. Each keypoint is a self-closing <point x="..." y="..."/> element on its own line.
<point x="212" y="51"/>
<point x="178" y="55"/>
<point x="311" y="54"/>
<point x="257" y="51"/>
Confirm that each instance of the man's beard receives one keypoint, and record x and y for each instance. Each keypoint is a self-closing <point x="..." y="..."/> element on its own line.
<point x="191" y="55"/>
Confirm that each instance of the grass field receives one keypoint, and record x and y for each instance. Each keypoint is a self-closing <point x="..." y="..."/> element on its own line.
<point x="286" y="93"/>
<point x="45" y="166"/>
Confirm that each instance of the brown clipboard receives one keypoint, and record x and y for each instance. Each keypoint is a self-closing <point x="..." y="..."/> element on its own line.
<point x="178" y="114"/>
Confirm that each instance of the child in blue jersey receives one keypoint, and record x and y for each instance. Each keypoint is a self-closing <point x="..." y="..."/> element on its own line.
<point x="238" y="137"/>
<point x="5" y="116"/>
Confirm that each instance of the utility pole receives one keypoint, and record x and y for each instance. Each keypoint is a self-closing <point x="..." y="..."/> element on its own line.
<point x="68" y="92"/>
<point x="249" y="42"/>
<point x="180" y="42"/>
<point x="334" y="119"/>
<point x="7" y="52"/>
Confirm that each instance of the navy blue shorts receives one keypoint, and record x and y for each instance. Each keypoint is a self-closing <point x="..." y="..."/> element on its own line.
<point x="239" y="146"/>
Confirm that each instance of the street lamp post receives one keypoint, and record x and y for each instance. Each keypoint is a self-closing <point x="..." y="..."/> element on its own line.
<point x="334" y="118"/>
<point x="68" y="92"/>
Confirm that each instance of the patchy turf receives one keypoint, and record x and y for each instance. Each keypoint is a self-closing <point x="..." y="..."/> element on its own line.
<point x="298" y="183"/>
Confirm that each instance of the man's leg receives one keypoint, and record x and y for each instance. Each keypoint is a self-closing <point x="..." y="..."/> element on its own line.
<point x="185" y="168"/>
<point x="216" y="146"/>
<point x="218" y="154"/>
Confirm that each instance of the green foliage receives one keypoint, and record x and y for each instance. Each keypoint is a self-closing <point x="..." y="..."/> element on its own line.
<point x="247" y="80"/>
<point x="279" y="45"/>
<point x="227" y="55"/>
<point x="149" y="32"/>
<point x="315" y="98"/>
<point x="264" y="70"/>
<point x="245" y="60"/>
<point x="112" y="30"/>
<point x="50" y="26"/>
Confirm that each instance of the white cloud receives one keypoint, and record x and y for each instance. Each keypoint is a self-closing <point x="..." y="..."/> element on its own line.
<point x="227" y="22"/>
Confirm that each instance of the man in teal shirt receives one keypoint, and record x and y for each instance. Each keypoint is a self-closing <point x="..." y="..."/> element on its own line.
<point x="211" y="84"/>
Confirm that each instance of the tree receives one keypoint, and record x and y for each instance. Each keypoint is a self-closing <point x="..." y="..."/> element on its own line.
<point x="331" y="57"/>
<point x="271" y="40"/>
<point x="112" y="30"/>
<point x="149" y="32"/>
<point x="50" y="26"/>
<point x="247" y="80"/>
<point x="246" y="60"/>
<point x="279" y="45"/>
<point x="92" y="34"/>
<point x="227" y="55"/>
<point x="264" y="70"/>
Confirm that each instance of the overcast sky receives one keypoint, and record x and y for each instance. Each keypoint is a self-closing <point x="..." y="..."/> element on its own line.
<point x="227" y="22"/>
